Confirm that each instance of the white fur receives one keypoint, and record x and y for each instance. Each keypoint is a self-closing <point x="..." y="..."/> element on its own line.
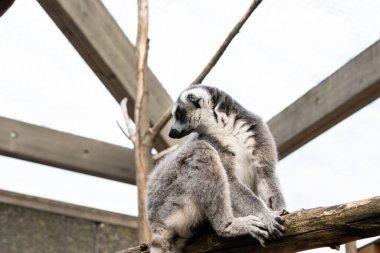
<point x="199" y="93"/>
<point x="235" y="138"/>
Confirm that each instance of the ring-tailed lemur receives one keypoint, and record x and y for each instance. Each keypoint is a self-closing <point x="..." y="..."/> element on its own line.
<point x="225" y="170"/>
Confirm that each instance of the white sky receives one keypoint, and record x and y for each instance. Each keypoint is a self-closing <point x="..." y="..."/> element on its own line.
<point x="284" y="49"/>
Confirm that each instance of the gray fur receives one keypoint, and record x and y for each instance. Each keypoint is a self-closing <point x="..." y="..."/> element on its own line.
<point x="225" y="173"/>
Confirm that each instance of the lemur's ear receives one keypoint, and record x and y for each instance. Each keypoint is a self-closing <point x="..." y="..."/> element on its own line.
<point x="195" y="100"/>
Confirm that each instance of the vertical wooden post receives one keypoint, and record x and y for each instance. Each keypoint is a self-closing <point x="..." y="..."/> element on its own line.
<point x="142" y="148"/>
<point x="351" y="247"/>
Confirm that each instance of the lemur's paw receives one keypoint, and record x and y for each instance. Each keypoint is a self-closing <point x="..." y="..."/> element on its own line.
<point x="280" y="212"/>
<point x="274" y="223"/>
<point x="257" y="229"/>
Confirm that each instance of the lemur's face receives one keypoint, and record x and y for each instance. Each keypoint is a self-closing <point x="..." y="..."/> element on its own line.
<point x="192" y="112"/>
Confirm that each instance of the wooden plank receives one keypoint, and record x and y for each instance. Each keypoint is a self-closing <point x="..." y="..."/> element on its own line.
<point x="67" y="151"/>
<point x="4" y="6"/>
<point x="343" y="93"/>
<point x="66" y="209"/>
<point x="99" y="40"/>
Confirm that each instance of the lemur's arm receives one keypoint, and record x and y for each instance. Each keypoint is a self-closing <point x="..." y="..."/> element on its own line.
<point x="245" y="202"/>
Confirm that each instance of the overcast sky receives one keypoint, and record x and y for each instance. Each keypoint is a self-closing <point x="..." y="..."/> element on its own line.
<point x="285" y="48"/>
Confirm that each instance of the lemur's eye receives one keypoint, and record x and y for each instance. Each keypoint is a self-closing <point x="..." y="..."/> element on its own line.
<point x="178" y="113"/>
<point x="196" y="104"/>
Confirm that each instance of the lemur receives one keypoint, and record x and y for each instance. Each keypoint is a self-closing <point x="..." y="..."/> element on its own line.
<point x="224" y="173"/>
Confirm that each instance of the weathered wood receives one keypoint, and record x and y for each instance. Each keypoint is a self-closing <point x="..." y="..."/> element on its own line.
<point x="143" y="149"/>
<point x="99" y="40"/>
<point x="4" y="6"/>
<point x="350" y="88"/>
<point x="307" y="229"/>
<point x="67" y="151"/>
<point x="66" y="209"/>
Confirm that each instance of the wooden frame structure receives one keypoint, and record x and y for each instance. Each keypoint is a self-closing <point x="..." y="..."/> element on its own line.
<point x="99" y="40"/>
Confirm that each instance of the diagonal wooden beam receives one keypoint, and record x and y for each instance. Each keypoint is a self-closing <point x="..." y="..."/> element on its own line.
<point x="343" y="93"/>
<point x="99" y="40"/>
<point x="67" y="151"/>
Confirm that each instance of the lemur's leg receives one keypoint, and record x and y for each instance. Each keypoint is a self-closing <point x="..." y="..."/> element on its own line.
<point x="213" y="195"/>
<point x="162" y="239"/>
<point x="245" y="202"/>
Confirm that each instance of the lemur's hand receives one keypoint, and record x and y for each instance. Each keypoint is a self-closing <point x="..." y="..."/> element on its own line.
<point x="274" y="224"/>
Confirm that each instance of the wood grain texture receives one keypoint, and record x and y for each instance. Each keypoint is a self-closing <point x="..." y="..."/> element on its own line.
<point x="99" y="40"/>
<point x="67" y="151"/>
<point x="66" y="209"/>
<point x="343" y="93"/>
<point x="307" y="229"/>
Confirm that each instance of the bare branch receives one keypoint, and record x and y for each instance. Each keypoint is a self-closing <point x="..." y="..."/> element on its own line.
<point x="143" y="149"/>
<point x="225" y="44"/>
<point x="124" y="132"/>
<point x="128" y="122"/>
<point x="156" y="129"/>
<point x="165" y="152"/>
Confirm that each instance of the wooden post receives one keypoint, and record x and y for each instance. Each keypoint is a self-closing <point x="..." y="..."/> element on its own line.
<point x="351" y="247"/>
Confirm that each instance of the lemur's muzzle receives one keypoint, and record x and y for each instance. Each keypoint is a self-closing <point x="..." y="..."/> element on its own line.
<point x="175" y="134"/>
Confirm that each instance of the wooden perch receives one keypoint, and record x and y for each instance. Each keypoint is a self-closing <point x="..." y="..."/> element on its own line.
<point x="306" y="229"/>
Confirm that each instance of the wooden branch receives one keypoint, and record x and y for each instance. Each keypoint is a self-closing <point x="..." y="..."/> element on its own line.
<point x="164" y="152"/>
<point x="156" y="129"/>
<point x="306" y="229"/>
<point x="226" y="42"/>
<point x="143" y="149"/>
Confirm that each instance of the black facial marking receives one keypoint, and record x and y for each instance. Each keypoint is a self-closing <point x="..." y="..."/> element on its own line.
<point x="181" y="114"/>
<point x="224" y="123"/>
<point x="251" y="127"/>
<point x="215" y="116"/>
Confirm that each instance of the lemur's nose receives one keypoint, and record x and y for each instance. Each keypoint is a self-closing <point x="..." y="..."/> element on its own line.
<point x="174" y="133"/>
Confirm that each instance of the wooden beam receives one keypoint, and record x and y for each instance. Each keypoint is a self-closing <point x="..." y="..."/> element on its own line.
<point x="343" y="93"/>
<point x="99" y="40"/>
<point x="66" y="209"/>
<point x="67" y="151"/>
<point x="4" y="6"/>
